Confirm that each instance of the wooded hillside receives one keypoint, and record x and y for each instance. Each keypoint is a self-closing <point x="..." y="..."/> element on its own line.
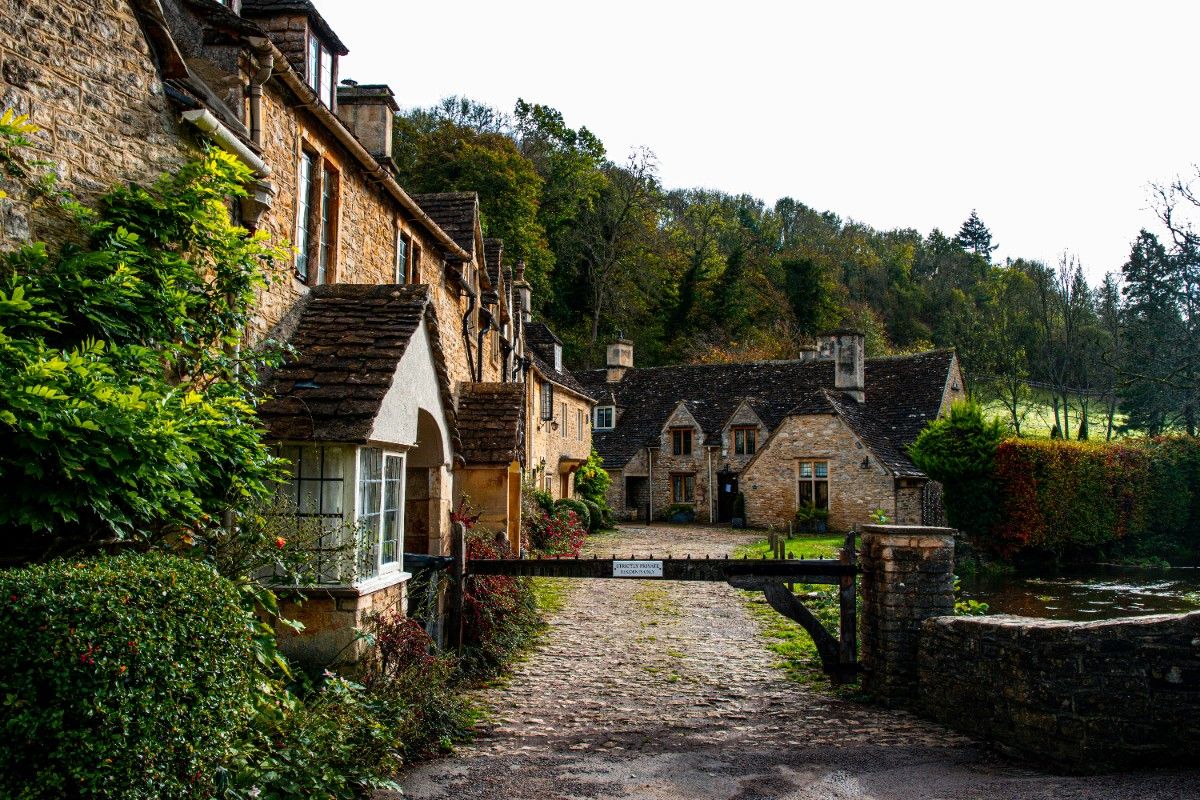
<point x="705" y="275"/>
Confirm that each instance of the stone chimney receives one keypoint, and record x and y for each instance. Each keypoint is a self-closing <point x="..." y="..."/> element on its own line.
<point x="620" y="358"/>
<point x="367" y="110"/>
<point x="524" y="296"/>
<point x="847" y="348"/>
<point x="808" y="352"/>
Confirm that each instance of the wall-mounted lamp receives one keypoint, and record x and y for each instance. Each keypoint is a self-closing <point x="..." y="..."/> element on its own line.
<point x="553" y="425"/>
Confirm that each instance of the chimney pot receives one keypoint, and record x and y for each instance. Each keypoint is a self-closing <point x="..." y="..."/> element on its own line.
<point x="620" y="358"/>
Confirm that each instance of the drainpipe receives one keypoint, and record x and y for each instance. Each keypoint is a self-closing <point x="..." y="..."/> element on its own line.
<point x="264" y="59"/>
<point x="225" y="138"/>
<point x="650" y="481"/>
<point x="466" y="331"/>
<point x="483" y="331"/>
<point x="712" y="513"/>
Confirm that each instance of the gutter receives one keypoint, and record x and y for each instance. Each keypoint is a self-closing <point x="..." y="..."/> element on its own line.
<point x="373" y="168"/>
<point x="228" y="141"/>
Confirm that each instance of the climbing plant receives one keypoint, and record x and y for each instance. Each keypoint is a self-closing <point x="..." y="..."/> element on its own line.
<point x="126" y="404"/>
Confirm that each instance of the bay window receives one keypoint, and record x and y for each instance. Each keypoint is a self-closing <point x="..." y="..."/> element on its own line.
<point x="380" y="510"/>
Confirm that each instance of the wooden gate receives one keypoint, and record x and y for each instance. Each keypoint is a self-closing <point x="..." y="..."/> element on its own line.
<point x="839" y="655"/>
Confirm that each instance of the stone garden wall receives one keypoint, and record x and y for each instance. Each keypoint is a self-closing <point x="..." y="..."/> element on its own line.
<point x="1084" y="695"/>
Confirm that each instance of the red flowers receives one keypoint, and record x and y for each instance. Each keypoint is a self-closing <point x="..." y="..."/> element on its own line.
<point x="280" y="542"/>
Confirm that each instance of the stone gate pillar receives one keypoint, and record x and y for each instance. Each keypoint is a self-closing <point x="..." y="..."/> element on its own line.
<point x="907" y="577"/>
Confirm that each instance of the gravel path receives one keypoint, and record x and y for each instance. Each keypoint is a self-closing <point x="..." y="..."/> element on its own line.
<point x="651" y="689"/>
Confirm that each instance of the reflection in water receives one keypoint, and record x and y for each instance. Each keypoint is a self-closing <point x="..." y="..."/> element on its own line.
<point x="1098" y="593"/>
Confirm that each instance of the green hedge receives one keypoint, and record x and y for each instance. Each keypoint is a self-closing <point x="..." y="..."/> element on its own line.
<point x="1077" y="500"/>
<point x="121" y="677"/>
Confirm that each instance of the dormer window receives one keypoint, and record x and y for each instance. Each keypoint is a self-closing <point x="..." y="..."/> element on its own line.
<point x="604" y="418"/>
<point x="321" y="71"/>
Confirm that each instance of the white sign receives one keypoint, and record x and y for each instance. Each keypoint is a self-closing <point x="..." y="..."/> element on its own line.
<point x="637" y="569"/>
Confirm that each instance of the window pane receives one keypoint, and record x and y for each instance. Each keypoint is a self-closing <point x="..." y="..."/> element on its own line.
<point x="751" y="442"/>
<point x="327" y="244"/>
<point x="822" y="488"/>
<point x="392" y="511"/>
<point x="314" y="62"/>
<point x="303" y="196"/>
<point x="326" y="91"/>
<point x="689" y="488"/>
<point x="806" y="492"/>
<point x="822" y="469"/>
<point x="370" y="497"/>
<point x="401" y="259"/>
<point x="805" y="469"/>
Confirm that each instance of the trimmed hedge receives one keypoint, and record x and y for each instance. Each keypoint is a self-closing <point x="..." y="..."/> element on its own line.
<point x="121" y="677"/>
<point x="1068" y="499"/>
<point x="580" y="509"/>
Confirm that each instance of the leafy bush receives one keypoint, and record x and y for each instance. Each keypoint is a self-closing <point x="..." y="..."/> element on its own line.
<point x="126" y="412"/>
<point x="499" y="613"/>
<point x="685" y="510"/>
<point x="591" y="485"/>
<point x="1074" y="500"/>
<point x="558" y="535"/>
<point x="595" y="516"/>
<point x="959" y="450"/>
<point x="581" y="511"/>
<point x="122" y="676"/>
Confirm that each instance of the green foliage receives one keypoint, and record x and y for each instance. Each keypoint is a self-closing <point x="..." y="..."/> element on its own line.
<point x="121" y="677"/>
<point x="959" y="450"/>
<point x="1073" y="500"/>
<point x="126" y="408"/>
<point x="595" y="516"/>
<point x="687" y="510"/>
<point x="581" y="510"/>
<point x="500" y="614"/>
<point x="591" y="484"/>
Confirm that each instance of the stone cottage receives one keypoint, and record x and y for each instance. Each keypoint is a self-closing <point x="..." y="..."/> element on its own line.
<point x="407" y="390"/>
<point x="829" y="430"/>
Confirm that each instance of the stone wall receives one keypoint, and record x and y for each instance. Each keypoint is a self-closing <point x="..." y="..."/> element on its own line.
<point x="82" y="71"/>
<point x="742" y="418"/>
<point x="330" y="620"/>
<point x="770" y="482"/>
<point x="1083" y="695"/>
<point x="907" y="578"/>
<point x="667" y="464"/>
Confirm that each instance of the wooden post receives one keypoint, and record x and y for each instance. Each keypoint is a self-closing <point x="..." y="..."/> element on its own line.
<point x="458" y="574"/>
<point x="848" y="616"/>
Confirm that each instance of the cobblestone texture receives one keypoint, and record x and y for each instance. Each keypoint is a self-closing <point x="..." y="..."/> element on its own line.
<point x="664" y="690"/>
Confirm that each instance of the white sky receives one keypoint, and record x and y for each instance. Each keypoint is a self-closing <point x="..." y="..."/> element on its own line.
<point x="1050" y="118"/>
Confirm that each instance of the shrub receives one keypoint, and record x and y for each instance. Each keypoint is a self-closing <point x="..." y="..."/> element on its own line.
<point x="595" y="516"/>
<point x="499" y="614"/>
<point x="122" y="676"/>
<point x="959" y="450"/>
<point x="558" y="535"/>
<point x="126" y="412"/>
<point x="591" y="485"/>
<point x="686" y="510"/>
<point x="581" y="510"/>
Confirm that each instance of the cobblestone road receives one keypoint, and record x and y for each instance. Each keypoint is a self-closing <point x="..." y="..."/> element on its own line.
<point x="652" y="689"/>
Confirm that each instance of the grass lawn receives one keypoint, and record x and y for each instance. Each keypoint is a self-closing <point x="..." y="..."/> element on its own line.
<point x="797" y="654"/>
<point x="1038" y="417"/>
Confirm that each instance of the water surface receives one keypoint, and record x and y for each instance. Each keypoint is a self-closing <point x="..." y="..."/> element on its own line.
<point x="1101" y="592"/>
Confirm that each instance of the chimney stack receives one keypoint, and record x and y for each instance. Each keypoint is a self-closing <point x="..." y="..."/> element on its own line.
<point x="524" y="297"/>
<point x="620" y="358"/>
<point x="847" y="348"/>
<point x="367" y="110"/>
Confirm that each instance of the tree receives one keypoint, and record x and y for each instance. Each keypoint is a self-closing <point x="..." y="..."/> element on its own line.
<point x="975" y="236"/>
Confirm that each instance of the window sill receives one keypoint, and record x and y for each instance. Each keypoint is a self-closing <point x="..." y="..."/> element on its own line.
<point x="366" y="587"/>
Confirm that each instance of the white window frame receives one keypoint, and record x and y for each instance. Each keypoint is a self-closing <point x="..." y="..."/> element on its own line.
<point x="386" y="573"/>
<point x="605" y="414"/>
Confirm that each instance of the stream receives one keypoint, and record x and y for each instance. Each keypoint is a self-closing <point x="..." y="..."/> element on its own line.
<point x="1099" y="592"/>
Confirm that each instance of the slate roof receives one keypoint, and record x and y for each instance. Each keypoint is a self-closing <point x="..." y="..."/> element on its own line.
<point x="348" y="340"/>
<point x="540" y="351"/>
<point x="271" y="8"/>
<point x="455" y="213"/>
<point x="903" y="393"/>
<point x="491" y="423"/>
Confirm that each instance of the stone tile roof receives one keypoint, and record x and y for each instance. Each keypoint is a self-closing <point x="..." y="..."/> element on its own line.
<point x="271" y="8"/>
<point x="540" y="351"/>
<point x="348" y="340"/>
<point x="866" y="426"/>
<point x="456" y="213"/>
<point x="903" y="393"/>
<point x="491" y="423"/>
